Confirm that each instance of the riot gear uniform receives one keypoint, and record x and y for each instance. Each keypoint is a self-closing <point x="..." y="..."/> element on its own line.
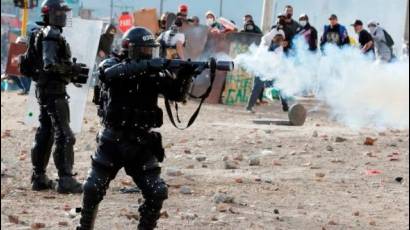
<point x="128" y="107"/>
<point x="56" y="72"/>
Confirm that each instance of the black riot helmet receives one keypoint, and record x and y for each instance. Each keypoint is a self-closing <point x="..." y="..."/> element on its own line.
<point x="54" y="12"/>
<point x="139" y="43"/>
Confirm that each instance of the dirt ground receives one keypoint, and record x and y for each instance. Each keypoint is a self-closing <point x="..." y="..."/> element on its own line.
<point x="310" y="177"/>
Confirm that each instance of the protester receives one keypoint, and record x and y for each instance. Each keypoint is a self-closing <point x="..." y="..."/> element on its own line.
<point x="195" y="21"/>
<point x="249" y="25"/>
<point x="172" y="42"/>
<point x="106" y="41"/>
<point x="383" y="42"/>
<point x="334" y="33"/>
<point x="162" y="23"/>
<point x="212" y="23"/>
<point x="290" y="26"/>
<point x="365" y="38"/>
<point x="22" y="82"/>
<point x="308" y="32"/>
<point x="183" y="12"/>
<point x="277" y="45"/>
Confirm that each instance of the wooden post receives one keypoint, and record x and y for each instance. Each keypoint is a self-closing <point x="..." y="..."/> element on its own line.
<point x="24" y="19"/>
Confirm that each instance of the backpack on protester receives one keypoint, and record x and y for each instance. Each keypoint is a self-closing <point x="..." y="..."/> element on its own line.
<point x="30" y="63"/>
<point x="389" y="39"/>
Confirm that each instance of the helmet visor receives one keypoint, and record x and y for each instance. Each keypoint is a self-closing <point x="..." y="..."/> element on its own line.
<point x="142" y="52"/>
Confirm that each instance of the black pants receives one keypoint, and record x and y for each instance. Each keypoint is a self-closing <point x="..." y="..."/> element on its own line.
<point x="138" y="153"/>
<point x="257" y="90"/>
<point x="54" y="128"/>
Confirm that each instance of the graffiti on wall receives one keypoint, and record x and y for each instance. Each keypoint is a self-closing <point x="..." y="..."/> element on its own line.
<point x="238" y="86"/>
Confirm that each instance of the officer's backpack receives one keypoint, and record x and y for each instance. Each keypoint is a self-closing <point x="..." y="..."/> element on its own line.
<point x="389" y="39"/>
<point x="30" y="62"/>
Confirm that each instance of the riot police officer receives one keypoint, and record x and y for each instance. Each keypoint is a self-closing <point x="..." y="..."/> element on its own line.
<point x="128" y="106"/>
<point x="53" y="53"/>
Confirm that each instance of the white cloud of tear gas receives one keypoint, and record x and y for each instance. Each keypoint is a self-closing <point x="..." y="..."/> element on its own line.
<point x="360" y="92"/>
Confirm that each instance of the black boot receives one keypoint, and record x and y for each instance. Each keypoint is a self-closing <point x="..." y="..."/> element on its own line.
<point x="68" y="184"/>
<point x="150" y="213"/>
<point x="41" y="182"/>
<point x="285" y="106"/>
<point x="88" y="215"/>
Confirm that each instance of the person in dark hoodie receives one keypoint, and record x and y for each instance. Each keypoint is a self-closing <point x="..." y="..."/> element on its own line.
<point x="334" y="33"/>
<point x="249" y="25"/>
<point x="308" y="32"/>
<point x="106" y="41"/>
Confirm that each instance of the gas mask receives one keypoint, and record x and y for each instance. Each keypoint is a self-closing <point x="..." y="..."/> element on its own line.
<point x="249" y="27"/>
<point x="210" y="21"/>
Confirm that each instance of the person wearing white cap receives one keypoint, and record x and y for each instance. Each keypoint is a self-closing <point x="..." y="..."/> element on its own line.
<point x="212" y="22"/>
<point x="383" y="42"/>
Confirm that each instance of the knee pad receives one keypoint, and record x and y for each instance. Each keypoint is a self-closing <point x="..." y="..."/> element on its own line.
<point x="159" y="190"/>
<point x="92" y="191"/>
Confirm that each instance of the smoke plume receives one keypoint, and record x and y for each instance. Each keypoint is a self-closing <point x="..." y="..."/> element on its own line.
<point x="360" y="92"/>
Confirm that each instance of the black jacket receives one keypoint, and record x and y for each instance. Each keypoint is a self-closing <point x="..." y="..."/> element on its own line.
<point x="310" y="34"/>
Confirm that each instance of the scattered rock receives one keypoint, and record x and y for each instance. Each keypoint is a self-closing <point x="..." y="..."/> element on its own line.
<point x="188" y="216"/>
<point x="13" y="219"/>
<point x="164" y="214"/>
<point x="6" y="133"/>
<point x="126" y="182"/>
<point x="329" y="148"/>
<point x="372" y="223"/>
<point x="399" y="179"/>
<point x="38" y="225"/>
<point x="276" y="163"/>
<point x="129" y="215"/>
<point x="232" y="210"/>
<point x="214" y="218"/>
<point x="321" y="175"/>
<point x="174" y="172"/>
<point x="200" y="158"/>
<point x="190" y="166"/>
<point x="23" y="155"/>
<point x="357" y="213"/>
<point x="276" y="211"/>
<point x="369" y="154"/>
<point x="332" y="222"/>
<point x="185" y="190"/>
<point x="238" y="157"/>
<point x="229" y="164"/>
<point x="63" y="223"/>
<point x="66" y="207"/>
<point x="74" y="212"/>
<point x="369" y="141"/>
<point x="225" y="158"/>
<point x="315" y="134"/>
<point x="340" y="139"/>
<point x="337" y="161"/>
<point x="204" y="166"/>
<point x="222" y="207"/>
<point x="239" y="180"/>
<point x="223" y="198"/>
<point x="254" y="161"/>
<point x="187" y="151"/>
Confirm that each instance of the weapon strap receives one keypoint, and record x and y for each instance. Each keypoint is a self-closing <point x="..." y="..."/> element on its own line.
<point x="195" y="114"/>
